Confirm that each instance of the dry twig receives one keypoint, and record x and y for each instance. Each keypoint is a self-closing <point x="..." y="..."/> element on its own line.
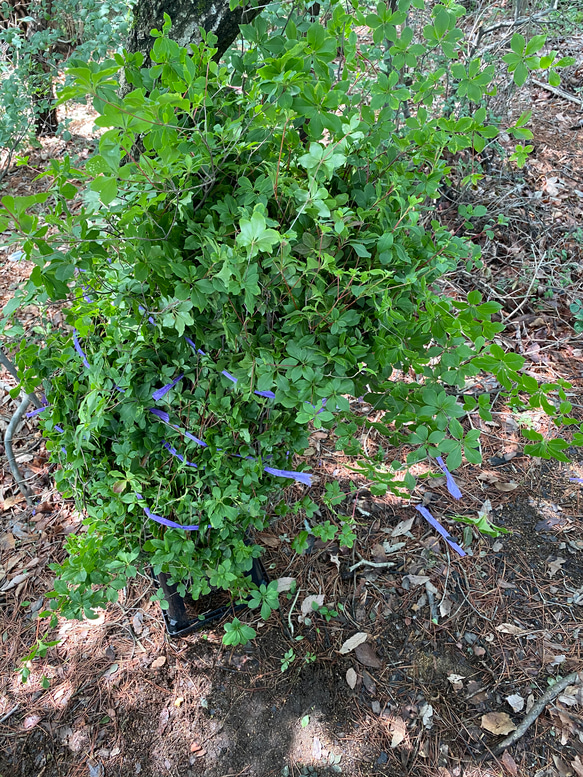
<point x="548" y="696"/>
<point x="559" y="92"/>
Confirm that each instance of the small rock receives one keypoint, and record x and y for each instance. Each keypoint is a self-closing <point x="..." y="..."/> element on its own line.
<point x="376" y="707"/>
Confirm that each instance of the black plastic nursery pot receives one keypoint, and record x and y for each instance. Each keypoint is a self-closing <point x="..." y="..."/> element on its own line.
<point x="185" y="615"/>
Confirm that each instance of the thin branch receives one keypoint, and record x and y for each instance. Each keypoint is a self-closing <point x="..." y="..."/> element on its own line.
<point x="8" y="365"/>
<point x="548" y="696"/>
<point x="559" y="92"/>
<point x="512" y="23"/>
<point x="376" y="564"/>
<point x="12" y="427"/>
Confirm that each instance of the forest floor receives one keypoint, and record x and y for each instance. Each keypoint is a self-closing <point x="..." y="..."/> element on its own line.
<point x="457" y="649"/>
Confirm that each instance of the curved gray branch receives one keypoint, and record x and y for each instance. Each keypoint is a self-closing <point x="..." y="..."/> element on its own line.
<point x="8" y="365"/>
<point x="11" y="429"/>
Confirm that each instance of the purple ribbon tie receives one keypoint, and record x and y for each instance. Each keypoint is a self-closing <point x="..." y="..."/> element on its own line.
<point x="436" y="525"/>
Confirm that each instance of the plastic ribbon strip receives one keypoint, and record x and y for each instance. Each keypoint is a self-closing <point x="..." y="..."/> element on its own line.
<point x="451" y="484"/>
<point x="165" y="521"/>
<point x="37" y="411"/>
<point x="436" y="525"/>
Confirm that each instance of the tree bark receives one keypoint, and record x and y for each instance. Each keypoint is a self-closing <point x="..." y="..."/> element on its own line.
<point x="187" y="16"/>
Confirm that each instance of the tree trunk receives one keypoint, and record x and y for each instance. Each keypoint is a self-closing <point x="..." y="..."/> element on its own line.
<point x="187" y="17"/>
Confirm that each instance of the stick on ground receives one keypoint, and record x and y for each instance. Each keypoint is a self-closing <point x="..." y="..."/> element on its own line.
<point x="548" y="696"/>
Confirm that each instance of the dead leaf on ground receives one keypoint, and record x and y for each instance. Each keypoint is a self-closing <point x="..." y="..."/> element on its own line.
<point x="378" y="553"/>
<point x="7" y="541"/>
<point x="445" y="607"/>
<point x="509" y="764"/>
<point x="572" y="695"/>
<point x="163" y="719"/>
<point x="516" y="702"/>
<point x="285" y="584"/>
<point x="399" y="729"/>
<point x="577" y="766"/>
<point x="457" y="681"/>
<point x="16" y="580"/>
<point x="555" y="566"/>
<point x="11" y="501"/>
<point x="403" y="527"/>
<point x="269" y="540"/>
<point x="497" y="723"/>
<point x="307" y="609"/>
<point x="488" y="477"/>
<point x="157" y="663"/>
<point x="562" y="767"/>
<point x="416" y="580"/>
<point x="366" y="654"/>
<point x="510" y="628"/>
<point x="369" y="683"/>
<point x="351" y="678"/>
<point x="354" y="641"/>
<point x="505" y="487"/>
<point x="30" y="722"/>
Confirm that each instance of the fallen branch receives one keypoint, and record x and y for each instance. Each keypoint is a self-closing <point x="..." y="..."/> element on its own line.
<point x="12" y="427"/>
<point x="9" y="366"/>
<point x="513" y="23"/>
<point x="559" y="92"/>
<point x="548" y="696"/>
<point x="378" y="564"/>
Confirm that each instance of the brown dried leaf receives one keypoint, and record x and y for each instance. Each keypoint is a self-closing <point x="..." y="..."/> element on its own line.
<point x="307" y="608"/>
<point x="403" y="527"/>
<point x="30" y="722"/>
<point x="572" y="695"/>
<point x="509" y="764"/>
<point x="269" y="540"/>
<point x="7" y="541"/>
<point x="378" y="553"/>
<point x="510" y="628"/>
<point x="562" y="767"/>
<point x="16" y="580"/>
<point x="353" y="642"/>
<point x="505" y="487"/>
<point x="516" y="702"/>
<point x="416" y="580"/>
<point x="489" y="477"/>
<point x="285" y="584"/>
<point x="497" y="723"/>
<point x="366" y="654"/>
<point x="445" y="607"/>
<point x="369" y="683"/>
<point x="12" y="500"/>
<point x="577" y="766"/>
<point x="157" y="663"/>
<point x="399" y="729"/>
<point x="555" y="566"/>
<point x="351" y="678"/>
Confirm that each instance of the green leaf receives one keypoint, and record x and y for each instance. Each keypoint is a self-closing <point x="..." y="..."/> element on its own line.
<point x="554" y="78"/>
<point x="255" y="236"/>
<point x="106" y="187"/>
<point x="518" y="43"/>
<point x="520" y="74"/>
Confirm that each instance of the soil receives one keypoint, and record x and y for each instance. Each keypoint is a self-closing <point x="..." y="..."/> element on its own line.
<point x="125" y="699"/>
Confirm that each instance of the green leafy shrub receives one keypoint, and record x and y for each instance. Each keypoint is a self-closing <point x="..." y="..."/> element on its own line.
<point x="34" y="50"/>
<point x="271" y="251"/>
